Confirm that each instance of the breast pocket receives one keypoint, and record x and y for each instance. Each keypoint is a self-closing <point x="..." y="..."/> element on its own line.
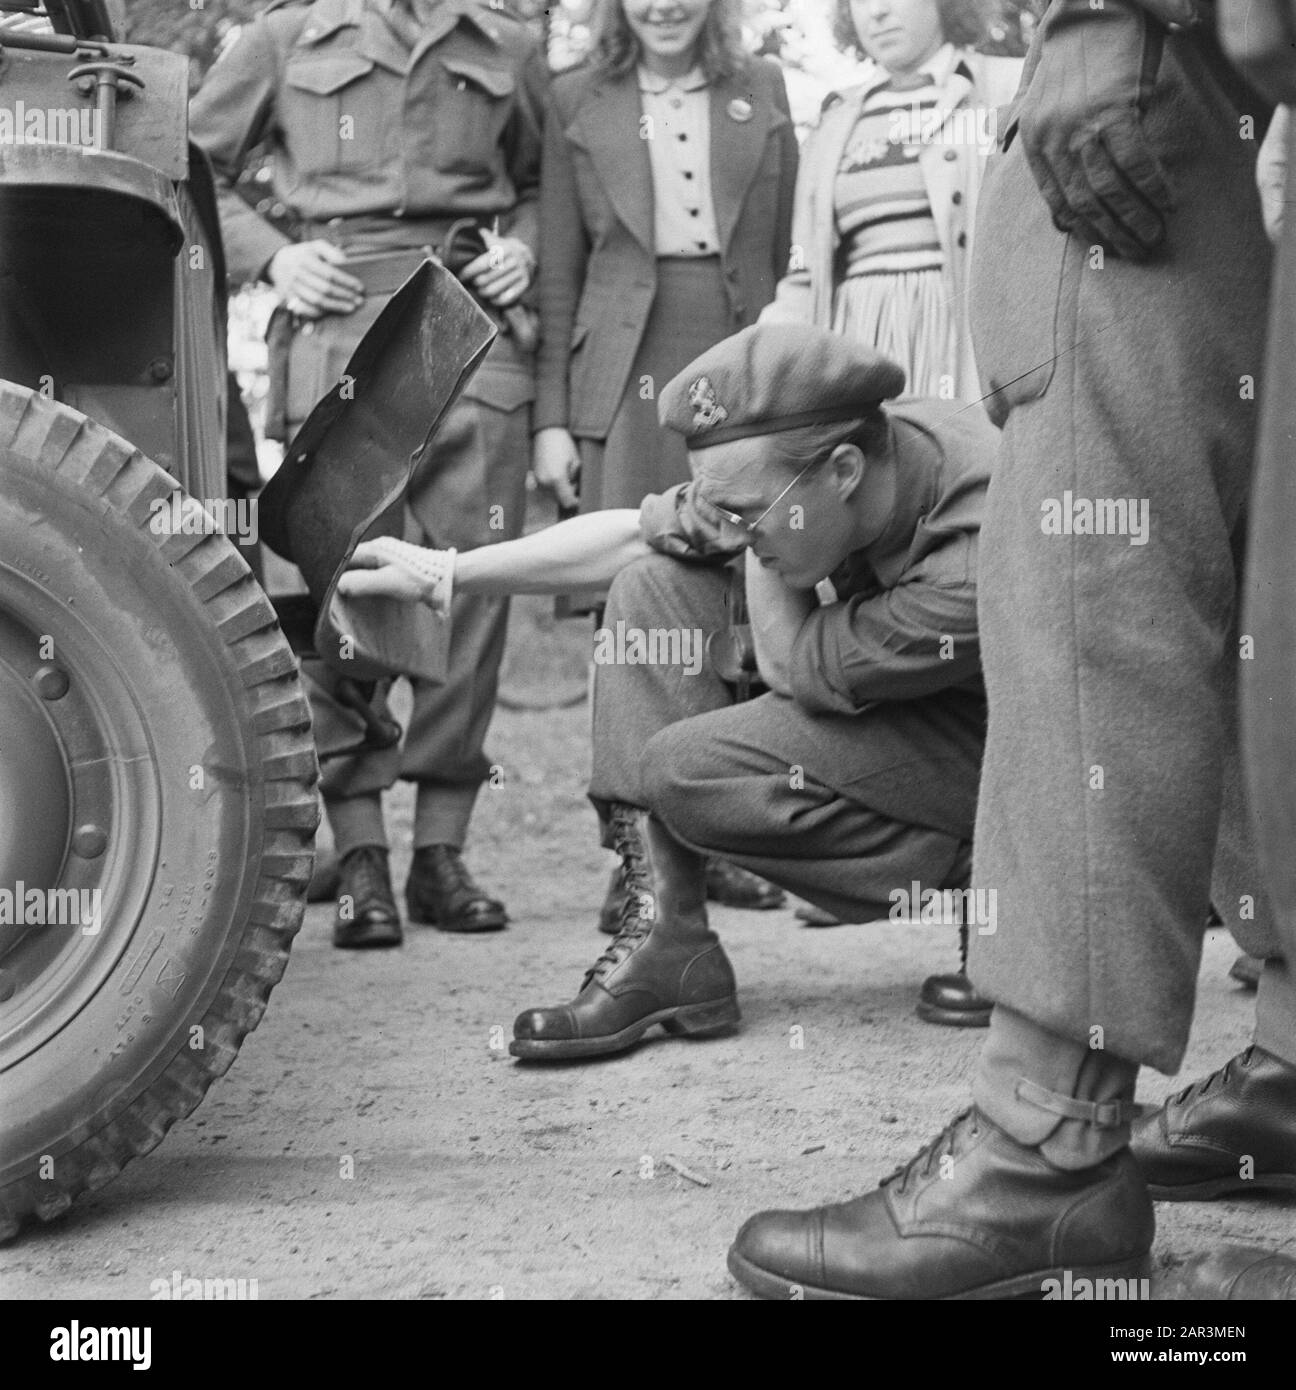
<point x="472" y="110"/>
<point x="331" y="117"/>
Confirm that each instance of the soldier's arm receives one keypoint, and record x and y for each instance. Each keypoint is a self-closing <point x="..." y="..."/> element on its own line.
<point x="1092" y="72"/>
<point x="904" y="643"/>
<point x="778" y="613"/>
<point x="232" y="114"/>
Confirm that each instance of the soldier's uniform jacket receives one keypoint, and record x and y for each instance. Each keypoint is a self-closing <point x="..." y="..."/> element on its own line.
<point x="905" y="622"/>
<point x="369" y="110"/>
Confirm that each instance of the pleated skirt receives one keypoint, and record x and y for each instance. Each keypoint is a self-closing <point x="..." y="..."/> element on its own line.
<point x="905" y="315"/>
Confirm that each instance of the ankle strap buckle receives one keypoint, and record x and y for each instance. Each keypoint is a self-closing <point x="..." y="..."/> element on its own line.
<point x="1101" y="1114"/>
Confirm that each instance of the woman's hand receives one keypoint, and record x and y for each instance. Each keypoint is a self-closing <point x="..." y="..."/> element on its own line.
<point x="555" y="462"/>
<point x="389" y="568"/>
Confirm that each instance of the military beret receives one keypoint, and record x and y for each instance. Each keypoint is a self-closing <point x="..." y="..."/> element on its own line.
<point x="773" y="377"/>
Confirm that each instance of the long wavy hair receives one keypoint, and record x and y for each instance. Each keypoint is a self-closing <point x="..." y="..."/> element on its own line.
<point x="965" y="23"/>
<point x="616" y="50"/>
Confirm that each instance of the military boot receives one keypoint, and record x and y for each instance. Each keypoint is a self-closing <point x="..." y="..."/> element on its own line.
<point x="1230" y="1133"/>
<point x="1030" y="1191"/>
<point x="441" y="892"/>
<point x="668" y="969"/>
<point x="366" y="913"/>
<point x="953" y="1000"/>
<point x="973" y="1215"/>
<point x="726" y="883"/>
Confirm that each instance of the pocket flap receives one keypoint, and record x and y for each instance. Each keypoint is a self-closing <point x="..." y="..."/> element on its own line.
<point x="497" y="81"/>
<point x="322" y="76"/>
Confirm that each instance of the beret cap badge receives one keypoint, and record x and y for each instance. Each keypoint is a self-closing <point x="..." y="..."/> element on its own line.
<point x="707" y="410"/>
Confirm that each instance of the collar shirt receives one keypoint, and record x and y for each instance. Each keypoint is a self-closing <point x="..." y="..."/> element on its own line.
<point x="677" y="127"/>
<point x="904" y="623"/>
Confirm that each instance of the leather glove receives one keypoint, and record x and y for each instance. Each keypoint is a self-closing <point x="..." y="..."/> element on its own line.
<point x="1081" y="126"/>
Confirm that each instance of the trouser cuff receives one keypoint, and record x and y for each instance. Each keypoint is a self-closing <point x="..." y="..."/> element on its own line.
<point x="1072" y="1102"/>
<point x="355" y="821"/>
<point x="441" y="814"/>
<point x="1276" y="1010"/>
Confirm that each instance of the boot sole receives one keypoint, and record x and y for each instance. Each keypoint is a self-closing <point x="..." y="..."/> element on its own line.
<point x="1223" y="1187"/>
<point x="370" y="943"/>
<point x="953" y="1018"/>
<point x="709" y="1020"/>
<point x="497" y="921"/>
<point x="767" y="1285"/>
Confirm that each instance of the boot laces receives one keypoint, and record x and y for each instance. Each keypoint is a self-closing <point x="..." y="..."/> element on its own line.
<point x="1217" y="1080"/>
<point x="366" y="868"/>
<point x="628" y="844"/>
<point x="636" y="923"/>
<point x="453" y="873"/>
<point x="924" y="1162"/>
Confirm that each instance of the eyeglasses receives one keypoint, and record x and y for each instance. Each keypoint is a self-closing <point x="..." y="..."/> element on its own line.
<point x="749" y="527"/>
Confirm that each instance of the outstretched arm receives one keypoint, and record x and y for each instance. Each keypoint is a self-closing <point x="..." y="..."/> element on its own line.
<point x="586" y="552"/>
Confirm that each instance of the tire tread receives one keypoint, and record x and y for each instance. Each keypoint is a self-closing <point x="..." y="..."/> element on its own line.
<point x="103" y="465"/>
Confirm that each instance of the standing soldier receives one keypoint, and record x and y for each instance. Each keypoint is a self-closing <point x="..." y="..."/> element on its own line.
<point x="395" y="128"/>
<point x="1119" y="294"/>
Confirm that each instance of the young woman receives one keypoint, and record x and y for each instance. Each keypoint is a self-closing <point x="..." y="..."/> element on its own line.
<point x="887" y="193"/>
<point x="665" y="217"/>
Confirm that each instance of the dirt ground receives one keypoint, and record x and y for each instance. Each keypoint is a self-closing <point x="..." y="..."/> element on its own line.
<point x="375" y="1140"/>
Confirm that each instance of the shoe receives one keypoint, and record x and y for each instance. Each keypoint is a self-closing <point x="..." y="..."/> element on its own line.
<point x="366" y="918"/>
<point x="725" y="883"/>
<point x="442" y="893"/>
<point x="1233" y="1273"/>
<point x="644" y="978"/>
<point x="1246" y="970"/>
<point x="1232" y="1132"/>
<point x="732" y="886"/>
<point x="974" y="1215"/>
<point x="953" y="1000"/>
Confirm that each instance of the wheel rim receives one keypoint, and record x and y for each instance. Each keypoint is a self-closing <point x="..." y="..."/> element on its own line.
<point x="93" y="825"/>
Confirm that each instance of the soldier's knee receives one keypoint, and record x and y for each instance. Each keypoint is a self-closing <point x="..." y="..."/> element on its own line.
<point x="646" y="588"/>
<point x="669" y="772"/>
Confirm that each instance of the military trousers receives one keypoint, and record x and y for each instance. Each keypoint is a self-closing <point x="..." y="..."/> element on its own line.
<point x="469" y="490"/>
<point x="765" y="783"/>
<point x="1111" y="812"/>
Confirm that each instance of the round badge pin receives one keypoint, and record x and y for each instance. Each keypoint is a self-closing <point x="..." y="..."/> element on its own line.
<point x="740" y="110"/>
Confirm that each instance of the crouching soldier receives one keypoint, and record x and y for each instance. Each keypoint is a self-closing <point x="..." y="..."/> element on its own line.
<point x="856" y="774"/>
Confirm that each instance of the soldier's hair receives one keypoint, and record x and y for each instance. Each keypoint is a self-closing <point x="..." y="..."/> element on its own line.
<point x="616" y="50"/>
<point x="965" y="23"/>
<point x="797" y="448"/>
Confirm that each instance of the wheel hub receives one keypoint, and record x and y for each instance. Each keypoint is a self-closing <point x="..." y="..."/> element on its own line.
<point x="35" y="792"/>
